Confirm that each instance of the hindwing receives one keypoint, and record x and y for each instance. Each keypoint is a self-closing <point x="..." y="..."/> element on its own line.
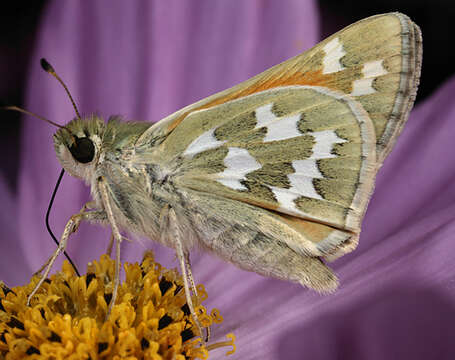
<point x="304" y="151"/>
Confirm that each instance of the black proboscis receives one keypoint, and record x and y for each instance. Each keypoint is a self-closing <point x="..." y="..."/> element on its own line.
<point x="47" y="221"/>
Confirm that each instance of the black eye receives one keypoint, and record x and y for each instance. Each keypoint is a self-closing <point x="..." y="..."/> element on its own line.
<point x="83" y="150"/>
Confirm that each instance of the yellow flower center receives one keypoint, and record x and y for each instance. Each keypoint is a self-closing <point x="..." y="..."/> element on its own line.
<point x="66" y="318"/>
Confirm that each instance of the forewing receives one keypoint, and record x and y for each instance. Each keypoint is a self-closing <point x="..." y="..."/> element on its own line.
<point x="376" y="60"/>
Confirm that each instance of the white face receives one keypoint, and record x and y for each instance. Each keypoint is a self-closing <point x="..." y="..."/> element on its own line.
<point x="78" y="146"/>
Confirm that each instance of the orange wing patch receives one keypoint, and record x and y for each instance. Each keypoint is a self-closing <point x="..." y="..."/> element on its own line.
<point x="263" y="82"/>
<point x="376" y="60"/>
<point x="303" y="69"/>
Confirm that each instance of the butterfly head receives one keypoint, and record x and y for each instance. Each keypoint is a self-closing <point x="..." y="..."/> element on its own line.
<point x="78" y="146"/>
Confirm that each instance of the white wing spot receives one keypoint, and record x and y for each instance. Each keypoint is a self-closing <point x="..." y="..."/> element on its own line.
<point x="305" y="172"/>
<point x="264" y="115"/>
<point x="306" y="167"/>
<point x="333" y="53"/>
<point x="302" y="180"/>
<point x="325" y="140"/>
<point x="286" y="200"/>
<point x="301" y="185"/>
<point x="277" y="128"/>
<point x="204" y="142"/>
<point x="370" y="71"/>
<point x="238" y="163"/>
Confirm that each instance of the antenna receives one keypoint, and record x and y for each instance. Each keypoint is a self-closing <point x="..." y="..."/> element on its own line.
<point x="49" y="69"/>
<point x="16" y="108"/>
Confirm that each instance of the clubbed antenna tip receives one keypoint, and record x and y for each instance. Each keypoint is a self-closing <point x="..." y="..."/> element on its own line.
<point x="46" y="66"/>
<point x="49" y="69"/>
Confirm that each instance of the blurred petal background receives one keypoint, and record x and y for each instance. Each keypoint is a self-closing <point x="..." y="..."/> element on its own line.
<point x="145" y="60"/>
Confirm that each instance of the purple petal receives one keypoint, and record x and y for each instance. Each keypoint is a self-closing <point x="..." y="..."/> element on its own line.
<point x="145" y="60"/>
<point x="13" y="269"/>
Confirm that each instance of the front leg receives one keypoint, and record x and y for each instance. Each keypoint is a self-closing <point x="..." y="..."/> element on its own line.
<point x="71" y="226"/>
<point x="95" y="216"/>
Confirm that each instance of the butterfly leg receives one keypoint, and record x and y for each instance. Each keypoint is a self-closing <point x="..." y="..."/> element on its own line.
<point x="109" y="246"/>
<point x="116" y="234"/>
<point x="194" y="290"/>
<point x="71" y="226"/>
<point x="89" y="205"/>
<point x="40" y="270"/>
<point x="190" y="274"/>
<point x="182" y="256"/>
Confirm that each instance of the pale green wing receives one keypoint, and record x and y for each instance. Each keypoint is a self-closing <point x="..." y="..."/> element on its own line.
<point x="303" y="151"/>
<point x="262" y="241"/>
<point x="303" y="139"/>
<point x="376" y="60"/>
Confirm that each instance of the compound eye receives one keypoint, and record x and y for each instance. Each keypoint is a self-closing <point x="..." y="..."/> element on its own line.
<point x="83" y="150"/>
